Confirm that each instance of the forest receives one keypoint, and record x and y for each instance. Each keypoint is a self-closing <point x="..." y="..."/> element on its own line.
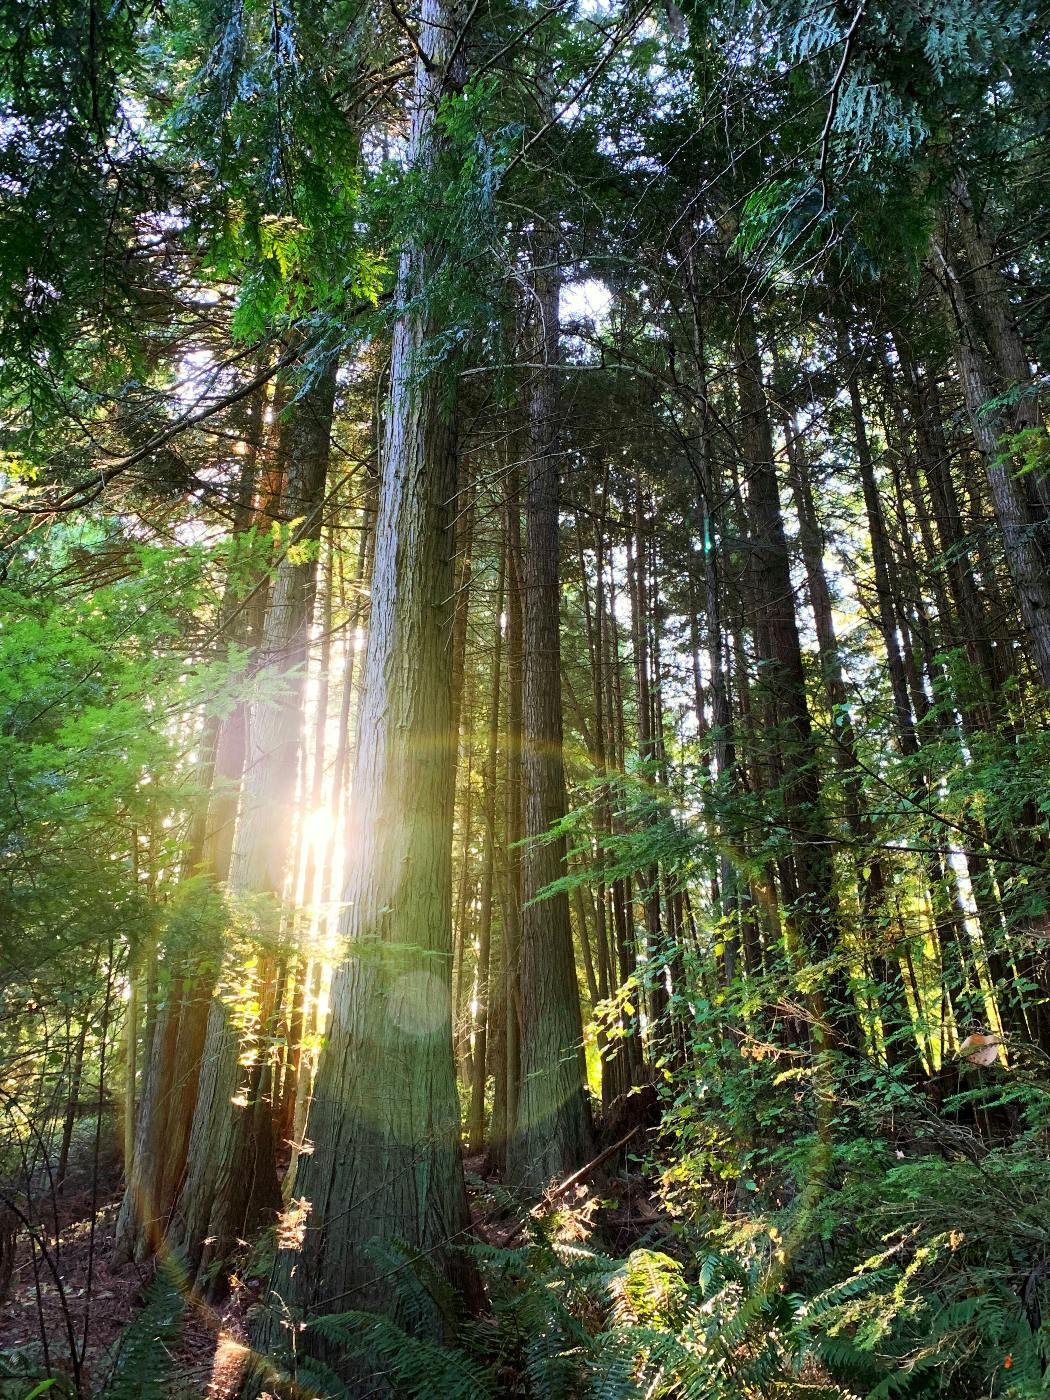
<point x="524" y="700"/>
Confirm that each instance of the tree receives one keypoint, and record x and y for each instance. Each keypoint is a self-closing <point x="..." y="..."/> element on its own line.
<point x="231" y="1176"/>
<point x="385" y="1172"/>
<point x="552" y="1135"/>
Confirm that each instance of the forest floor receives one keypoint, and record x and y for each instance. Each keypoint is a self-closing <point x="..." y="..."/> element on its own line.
<point x="83" y="1302"/>
<point x="91" y="1301"/>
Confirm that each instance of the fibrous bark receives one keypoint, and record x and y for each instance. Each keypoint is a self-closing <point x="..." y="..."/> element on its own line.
<point x="553" y="1130"/>
<point x="386" y="1171"/>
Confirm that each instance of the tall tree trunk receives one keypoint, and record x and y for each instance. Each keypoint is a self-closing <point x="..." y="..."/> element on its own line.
<point x="814" y="912"/>
<point x="628" y="1066"/>
<point x="505" y="1094"/>
<point x="870" y="875"/>
<point x="935" y="464"/>
<point x="304" y="1074"/>
<point x="476" y="1121"/>
<point x="553" y="1131"/>
<point x="1021" y="531"/>
<point x="638" y="566"/>
<point x="729" y="888"/>
<point x="131" y="1067"/>
<point x="171" y="1063"/>
<point x="463" y="918"/>
<point x="1008" y="352"/>
<point x="880" y="556"/>
<point x="350" y="682"/>
<point x="69" y="1120"/>
<point x="231" y="1176"/>
<point x="386" y="1165"/>
<point x="311" y="802"/>
<point x="594" y="619"/>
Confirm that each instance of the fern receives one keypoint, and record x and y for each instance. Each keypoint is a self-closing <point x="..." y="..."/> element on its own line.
<point x="619" y="1368"/>
<point x="420" y="1289"/>
<point x="413" y="1366"/>
<point x="313" y="1377"/>
<point x="569" y="1323"/>
<point x="142" y="1361"/>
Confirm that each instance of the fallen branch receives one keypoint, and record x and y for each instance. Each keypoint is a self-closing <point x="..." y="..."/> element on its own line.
<point x="581" y="1175"/>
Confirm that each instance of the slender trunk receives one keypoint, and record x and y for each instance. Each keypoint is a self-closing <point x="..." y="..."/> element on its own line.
<point x="72" y="1104"/>
<point x="647" y="753"/>
<point x="1008" y="353"/>
<point x="463" y="919"/>
<point x="304" y="1077"/>
<point x="721" y="742"/>
<point x="614" y="1051"/>
<point x="131" y="1068"/>
<point x="867" y="860"/>
<point x="479" y="1081"/>
<point x="628" y="1067"/>
<point x="464" y="567"/>
<point x="598" y="981"/>
<point x="505" y="1096"/>
<point x="583" y="938"/>
<point x="935" y="462"/>
<point x="350" y="684"/>
<point x="294" y="1031"/>
<point x="880" y="555"/>
<point x="312" y="800"/>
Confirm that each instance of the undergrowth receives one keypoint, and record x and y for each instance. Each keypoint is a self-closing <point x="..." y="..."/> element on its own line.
<point x="919" y="1269"/>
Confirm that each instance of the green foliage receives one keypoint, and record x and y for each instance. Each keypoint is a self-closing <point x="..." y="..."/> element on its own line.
<point x="891" y="1242"/>
<point x="73" y="161"/>
<point x="143" y="1363"/>
<point x="279" y="209"/>
<point x="21" y="1380"/>
<point x="217" y="177"/>
<point x="449" y="206"/>
<point x="857" y="110"/>
<point x="88" y="767"/>
<point x="867" y="225"/>
<point x="567" y="1323"/>
<point x="413" y="1367"/>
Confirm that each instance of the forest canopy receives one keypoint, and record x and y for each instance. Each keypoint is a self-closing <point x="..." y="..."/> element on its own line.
<point x="524" y="699"/>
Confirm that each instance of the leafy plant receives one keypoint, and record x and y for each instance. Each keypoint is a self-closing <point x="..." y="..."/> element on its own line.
<point x="142" y="1363"/>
